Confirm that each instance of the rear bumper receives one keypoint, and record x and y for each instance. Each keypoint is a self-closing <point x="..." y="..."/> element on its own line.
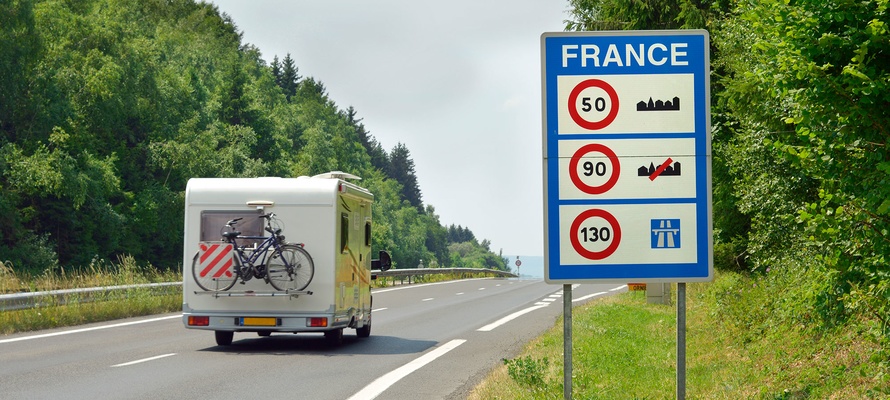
<point x="236" y="322"/>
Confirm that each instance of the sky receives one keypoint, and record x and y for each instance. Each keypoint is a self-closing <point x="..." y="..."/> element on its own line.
<point x="458" y="82"/>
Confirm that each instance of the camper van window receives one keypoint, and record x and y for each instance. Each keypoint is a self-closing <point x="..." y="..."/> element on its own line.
<point x="367" y="234"/>
<point x="213" y="223"/>
<point x="344" y="232"/>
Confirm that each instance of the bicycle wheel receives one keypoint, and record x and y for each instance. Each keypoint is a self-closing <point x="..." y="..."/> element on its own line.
<point x="290" y="269"/>
<point x="211" y="279"/>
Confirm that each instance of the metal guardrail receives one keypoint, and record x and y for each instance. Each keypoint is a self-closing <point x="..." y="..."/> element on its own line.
<point x="434" y="271"/>
<point x="21" y="301"/>
<point x="415" y="272"/>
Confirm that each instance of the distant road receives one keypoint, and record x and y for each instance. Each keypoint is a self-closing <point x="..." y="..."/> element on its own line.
<point x="427" y="341"/>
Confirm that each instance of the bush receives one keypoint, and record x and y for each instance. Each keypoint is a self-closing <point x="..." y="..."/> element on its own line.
<point x="528" y="371"/>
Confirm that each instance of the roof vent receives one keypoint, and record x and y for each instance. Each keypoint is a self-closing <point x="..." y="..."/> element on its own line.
<point x="337" y="175"/>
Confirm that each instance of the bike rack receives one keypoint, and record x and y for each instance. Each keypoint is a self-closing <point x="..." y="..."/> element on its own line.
<point x="253" y="293"/>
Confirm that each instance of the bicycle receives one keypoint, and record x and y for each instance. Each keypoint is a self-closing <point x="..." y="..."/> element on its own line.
<point x="285" y="266"/>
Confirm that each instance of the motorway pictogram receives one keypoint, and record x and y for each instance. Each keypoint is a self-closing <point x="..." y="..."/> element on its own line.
<point x="665" y="233"/>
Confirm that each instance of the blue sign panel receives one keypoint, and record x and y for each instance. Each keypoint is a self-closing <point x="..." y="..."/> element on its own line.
<point x="627" y="156"/>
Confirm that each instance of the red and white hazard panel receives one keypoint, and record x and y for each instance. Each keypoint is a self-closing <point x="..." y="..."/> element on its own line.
<point x="215" y="259"/>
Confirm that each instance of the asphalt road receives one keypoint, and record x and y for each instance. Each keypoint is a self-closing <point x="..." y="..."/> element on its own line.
<point x="432" y="341"/>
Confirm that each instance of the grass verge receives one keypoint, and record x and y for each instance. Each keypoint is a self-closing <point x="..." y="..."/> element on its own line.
<point x="624" y="348"/>
<point x="136" y="303"/>
<point x="74" y="309"/>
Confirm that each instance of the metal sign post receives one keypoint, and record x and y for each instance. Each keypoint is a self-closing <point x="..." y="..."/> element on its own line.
<point x="681" y="340"/>
<point x="567" y="341"/>
<point x="627" y="162"/>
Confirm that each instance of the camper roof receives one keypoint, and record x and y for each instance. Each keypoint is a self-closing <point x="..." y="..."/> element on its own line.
<point x="264" y="190"/>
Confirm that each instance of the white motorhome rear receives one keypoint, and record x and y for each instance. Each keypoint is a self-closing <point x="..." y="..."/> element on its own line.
<point x="328" y="215"/>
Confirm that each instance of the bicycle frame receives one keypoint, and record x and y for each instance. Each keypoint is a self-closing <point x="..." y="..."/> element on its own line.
<point x="262" y="249"/>
<point x="248" y="267"/>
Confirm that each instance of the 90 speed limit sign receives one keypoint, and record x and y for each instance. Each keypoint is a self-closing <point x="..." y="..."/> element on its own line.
<point x="594" y="175"/>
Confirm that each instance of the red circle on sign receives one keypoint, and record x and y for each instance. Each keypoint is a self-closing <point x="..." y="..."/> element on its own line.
<point x="576" y="226"/>
<point x="573" y="100"/>
<point x="576" y="158"/>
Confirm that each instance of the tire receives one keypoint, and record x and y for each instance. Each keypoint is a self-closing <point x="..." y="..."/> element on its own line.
<point x="224" y="338"/>
<point x="364" y="331"/>
<point x="208" y="282"/>
<point x="290" y="269"/>
<point x="334" y="337"/>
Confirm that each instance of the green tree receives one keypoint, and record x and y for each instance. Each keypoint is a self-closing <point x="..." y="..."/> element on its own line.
<point x="818" y="74"/>
<point x="401" y="168"/>
<point x="289" y="78"/>
<point x="111" y="106"/>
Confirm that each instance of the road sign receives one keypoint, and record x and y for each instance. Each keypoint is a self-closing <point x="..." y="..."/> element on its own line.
<point x="627" y="156"/>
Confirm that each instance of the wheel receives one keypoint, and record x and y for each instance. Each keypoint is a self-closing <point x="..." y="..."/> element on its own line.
<point x="290" y="269"/>
<point x="211" y="279"/>
<point x="364" y="331"/>
<point x="224" y="338"/>
<point x="334" y="337"/>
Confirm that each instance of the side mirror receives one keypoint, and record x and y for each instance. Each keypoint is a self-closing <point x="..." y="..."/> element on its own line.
<point x="384" y="263"/>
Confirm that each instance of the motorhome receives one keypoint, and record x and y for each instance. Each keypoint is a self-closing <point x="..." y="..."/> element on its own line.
<point x="328" y="215"/>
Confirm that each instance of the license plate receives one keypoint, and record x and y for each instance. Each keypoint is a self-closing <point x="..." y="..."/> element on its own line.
<point x="248" y="321"/>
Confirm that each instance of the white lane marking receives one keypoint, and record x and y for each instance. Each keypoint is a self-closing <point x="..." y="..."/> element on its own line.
<point x="384" y="382"/>
<point x="508" y="318"/>
<point x="143" y="360"/>
<point x="588" y="296"/>
<point x="482" y="288"/>
<point x="375" y="291"/>
<point x="556" y="296"/>
<point x="617" y="288"/>
<point x="95" y="328"/>
<point x="380" y="309"/>
<point x="541" y="303"/>
<point x="548" y="299"/>
<point x="427" y="299"/>
<point x="459" y="293"/>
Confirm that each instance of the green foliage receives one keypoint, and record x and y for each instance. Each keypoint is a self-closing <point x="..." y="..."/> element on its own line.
<point x="743" y="342"/>
<point x="600" y="15"/>
<point x="808" y="84"/>
<point x="800" y="127"/>
<point x="401" y="168"/>
<point x="111" y="106"/>
<point x="528" y="371"/>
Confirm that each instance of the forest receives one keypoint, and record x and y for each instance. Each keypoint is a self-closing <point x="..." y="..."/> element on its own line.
<point x="801" y="162"/>
<point x="108" y="107"/>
